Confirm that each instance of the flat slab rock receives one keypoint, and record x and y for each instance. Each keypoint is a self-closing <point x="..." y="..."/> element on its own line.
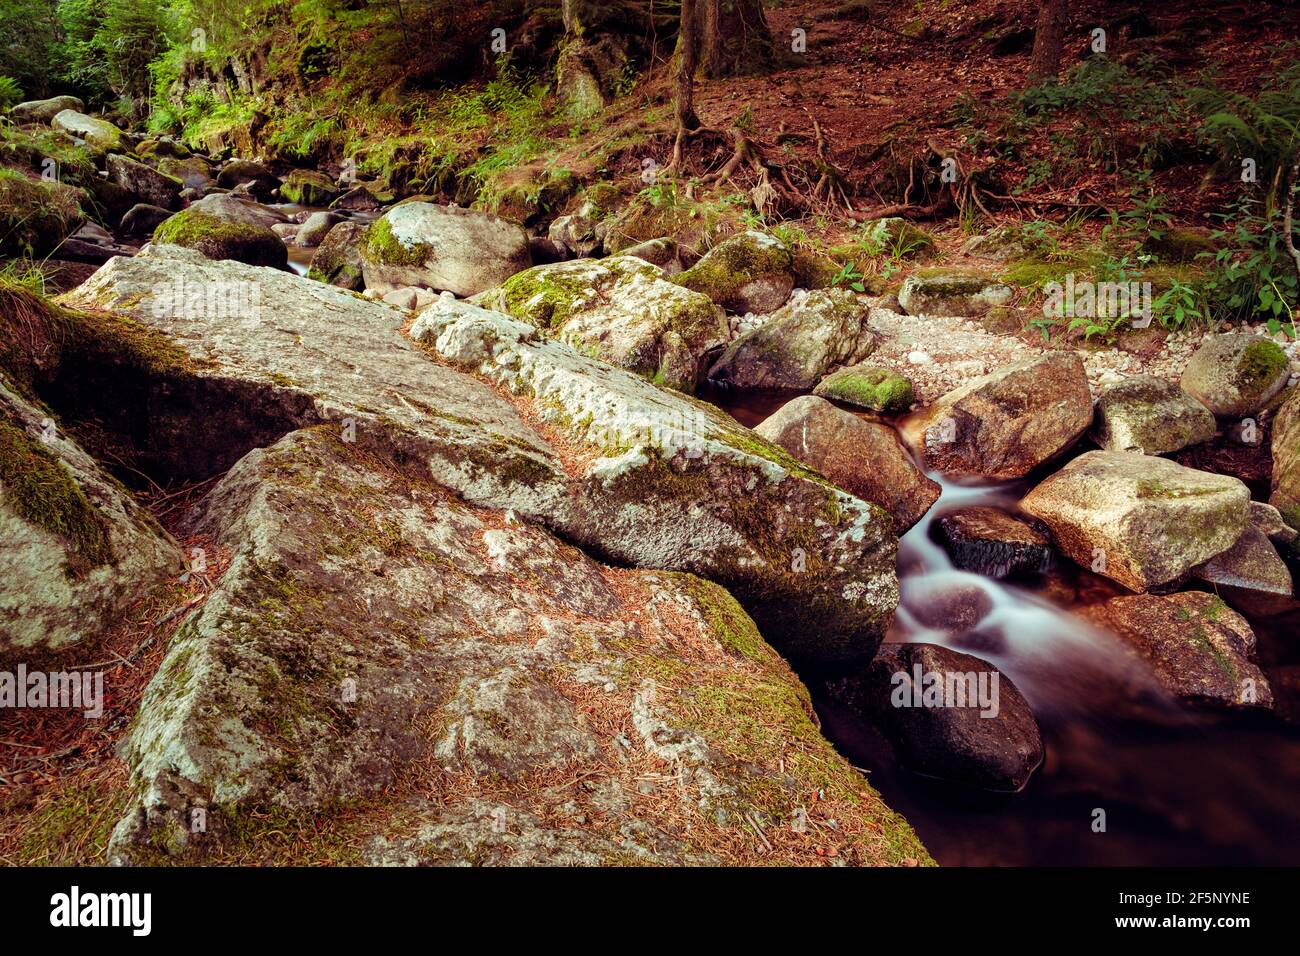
<point x="373" y="626"/>
<point x="990" y="541"/>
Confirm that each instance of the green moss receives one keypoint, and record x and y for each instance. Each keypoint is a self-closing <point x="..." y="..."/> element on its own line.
<point x="223" y="239"/>
<point x="734" y="264"/>
<point x="1260" y="366"/>
<point x="35" y="216"/>
<point x="727" y="620"/>
<point x="380" y="245"/>
<point x="308" y="187"/>
<point x="71" y="828"/>
<point x="44" y="493"/>
<point x="879" y="389"/>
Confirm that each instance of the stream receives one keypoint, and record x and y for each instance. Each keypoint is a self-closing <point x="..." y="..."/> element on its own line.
<point x="1179" y="786"/>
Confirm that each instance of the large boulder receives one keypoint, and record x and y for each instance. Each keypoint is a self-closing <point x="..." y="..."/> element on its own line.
<point x="1139" y="520"/>
<point x="316" y="227"/>
<point x="798" y="344"/>
<point x="620" y="309"/>
<point x="1005" y="424"/>
<point x="1198" y="649"/>
<point x="948" y="715"/>
<point x="78" y="551"/>
<point x="1250" y="575"/>
<point x="1151" y="415"/>
<point x="395" y="632"/>
<point x="944" y="291"/>
<point x="97" y="133"/>
<point x="42" y="111"/>
<point x="868" y="386"/>
<point x="648" y="478"/>
<point x="673" y="483"/>
<point x="1286" y="461"/>
<point x="864" y="458"/>
<point x="150" y="185"/>
<point x="223" y="239"/>
<point x="750" y="272"/>
<point x="1235" y="374"/>
<point x="337" y="259"/>
<point x="444" y="248"/>
<point x="194" y="171"/>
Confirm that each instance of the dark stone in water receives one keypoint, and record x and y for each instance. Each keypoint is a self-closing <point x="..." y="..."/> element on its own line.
<point x="968" y="729"/>
<point x="988" y="541"/>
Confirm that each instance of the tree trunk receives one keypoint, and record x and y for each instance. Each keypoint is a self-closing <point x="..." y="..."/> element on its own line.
<point x="1049" y="34"/>
<point x="735" y="38"/>
<point x="687" y="50"/>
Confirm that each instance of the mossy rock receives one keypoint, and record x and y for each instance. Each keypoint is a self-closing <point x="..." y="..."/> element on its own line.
<point x="337" y="260"/>
<point x="308" y="188"/>
<point x="751" y="272"/>
<point x="1236" y="374"/>
<point x="868" y="386"/>
<point x="224" y="239"/>
<point x="35" y="216"/>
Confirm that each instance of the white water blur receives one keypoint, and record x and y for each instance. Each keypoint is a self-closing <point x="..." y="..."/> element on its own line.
<point x="1056" y="660"/>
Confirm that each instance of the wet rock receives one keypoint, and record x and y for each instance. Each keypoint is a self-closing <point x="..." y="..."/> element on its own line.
<point x="78" y="551"/>
<point x="316" y="227"/>
<point x="151" y="186"/>
<point x="750" y="272"/>
<point x="944" y="606"/>
<point x="1199" y="649"/>
<point x="259" y="181"/>
<point x="142" y="219"/>
<point x="1151" y="415"/>
<point x="867" y="386"/>
<point x="194" y="172"/>
<point x="943" y="291"/>
<point x="991" y="542"/>
<point x="97" y="133"/>
<point x="948" y="715"/>
<point x="798" y="344"/>
<point x="1234" y="375"/>
<point x="337" y="260"/>
<point x="495" y="658"/>
<point x="619" y="309"/>
<point x="680" y="485"/>
<point x="442" y="248"/>
<point x="223" y="239"/>
<point x="309" y="188"/>
<point x="864" y="458"/>
<point x="43" y="111"/>
<point x="1007" y="423"/>
<point x="1139" y="520"/>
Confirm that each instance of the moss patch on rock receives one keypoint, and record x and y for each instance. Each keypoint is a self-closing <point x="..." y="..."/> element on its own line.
<point x="868" y="386"/>
<point x="223" y="239"/>
<point x="42" y="490"/>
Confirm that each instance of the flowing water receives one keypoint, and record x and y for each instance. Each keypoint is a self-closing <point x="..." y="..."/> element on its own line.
<point x="1177" y="785"/>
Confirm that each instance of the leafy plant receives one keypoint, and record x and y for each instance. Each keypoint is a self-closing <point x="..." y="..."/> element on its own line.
<point x="848" y="277"/>
<point x="10" y="92"/>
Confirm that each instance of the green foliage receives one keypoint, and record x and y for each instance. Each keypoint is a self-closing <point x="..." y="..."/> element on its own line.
<point x="1264" y="126"/>
<point x="10" y="92"/>
<point x="28" y="43"/>
<point x="1252" y="275"/>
